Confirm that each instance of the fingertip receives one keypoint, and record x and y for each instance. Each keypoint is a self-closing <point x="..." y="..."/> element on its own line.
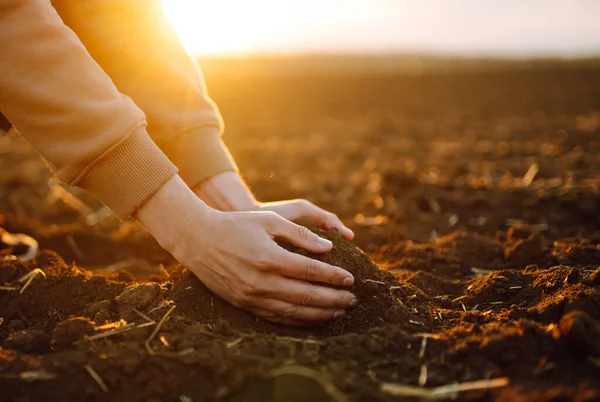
<point x="325" y="244"/>
<point x="348" y="281"/>
<point x="347" y="233"/>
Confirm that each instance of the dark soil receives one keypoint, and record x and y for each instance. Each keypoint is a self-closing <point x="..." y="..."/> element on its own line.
<point x="484" y="274"/>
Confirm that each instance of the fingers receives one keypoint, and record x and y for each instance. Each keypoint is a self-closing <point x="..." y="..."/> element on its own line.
<point x="325" y="219"/>
<point x="281" y="311"/>
<point x="306" y="294"/>
<point x="297" y="235"/>
<point x="295" y="209"/>
<point x="328" y="220"/>
<point x="307" y="269"/>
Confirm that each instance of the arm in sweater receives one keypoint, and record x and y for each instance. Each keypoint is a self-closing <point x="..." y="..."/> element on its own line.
<point x="140" y="51"/>
<point x="62" y="102"/>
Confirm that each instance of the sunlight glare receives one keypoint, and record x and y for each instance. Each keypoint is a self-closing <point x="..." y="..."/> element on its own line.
<point x="226" y="26"/>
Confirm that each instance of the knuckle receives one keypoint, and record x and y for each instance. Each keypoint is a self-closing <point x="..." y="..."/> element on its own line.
<point x="326" y="315"/>
<point x="252" y="288"/>
<point x="308" y="298"/>
<point x="303" y="233"/>
<point x="304" y="203"/>
<point x="240" y="300"/>
<point x="264" y="258"/>
<point x="271" y="216"/>
<point x="310" y="271"/>
<point x="268" y="315"/>
<point x="341" y="300"/>
<point x="289" y="311"/>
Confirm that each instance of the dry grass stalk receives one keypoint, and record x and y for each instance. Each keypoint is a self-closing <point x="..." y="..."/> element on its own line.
<point x="372" y="281"/>
<point x="233" y="343"/>
<point x="144" y="316"/>
<point x="96" y="377"/>
<point x="29" y="277"/>
<point x="112" y="325"/>
<point x="428" y="335"/>
<point x="481" y="271"/>
<point x="36" y="375"/>
<point x="401" y="302"/>
<point x="440" y="317"/>
<point x="158" y="308"/>
<point x="530" y="175"/>
<point x="157" y="329"/>
<point x="115" y="331"/>
<point x="146" y="324"/>
<point x="31" y="273"/>
<point x="300" y="340"/>
<point x="8" y="288"/>
<point x="163" y="340"/>
<point x="423" y="346"/>
<point x="444" y="391"/>
<point x="452" y="220"/>
<point x="463" y="306"/>
<point x="423" y="376"/>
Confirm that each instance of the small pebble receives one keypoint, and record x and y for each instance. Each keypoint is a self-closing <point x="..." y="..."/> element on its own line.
<point x="67" y="332"/>
<point x="102" y="317"/>
<point x="28" y="341"/>
<point x="95" y="308"/>
<point x="446" y="302"/>
<point x="138" y="296"/>
<point x="17" y="325"/>
<point x="573" y="276"/>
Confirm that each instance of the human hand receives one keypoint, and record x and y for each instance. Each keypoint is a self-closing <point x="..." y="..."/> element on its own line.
<point x="234" y="254"/>
<point x="228" y="192"/>
<point x="294" y="209"/>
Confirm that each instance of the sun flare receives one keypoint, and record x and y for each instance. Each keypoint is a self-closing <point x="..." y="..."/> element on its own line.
<point x="227" y="26"/>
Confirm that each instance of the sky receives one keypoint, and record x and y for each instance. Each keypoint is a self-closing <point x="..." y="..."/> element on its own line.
<point x="457" y="27"/>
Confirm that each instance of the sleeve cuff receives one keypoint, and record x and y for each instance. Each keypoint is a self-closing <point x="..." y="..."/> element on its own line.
<point x="199" y="154"/>
<point x="127" y="174"/>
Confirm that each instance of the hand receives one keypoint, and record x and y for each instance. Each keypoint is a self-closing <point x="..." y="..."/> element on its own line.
<point x="234" y="254"/>
<point x="228" y="192"/>
<point x="294" y="209"/>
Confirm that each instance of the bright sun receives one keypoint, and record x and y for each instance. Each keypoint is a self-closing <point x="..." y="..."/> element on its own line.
<point x="227" y="26"/>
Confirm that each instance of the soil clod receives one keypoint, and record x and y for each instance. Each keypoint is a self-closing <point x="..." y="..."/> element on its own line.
<point x="138" y="296"/>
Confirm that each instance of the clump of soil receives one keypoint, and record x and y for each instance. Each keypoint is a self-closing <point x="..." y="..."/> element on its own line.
<point x="382" y="300"/>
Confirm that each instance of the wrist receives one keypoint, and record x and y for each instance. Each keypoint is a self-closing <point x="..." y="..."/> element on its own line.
<point x="167" y="214"/>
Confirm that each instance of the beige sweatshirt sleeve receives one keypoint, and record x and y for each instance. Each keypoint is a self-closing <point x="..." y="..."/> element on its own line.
<point x="141" y="53"/>
<point x="63" y="103"/>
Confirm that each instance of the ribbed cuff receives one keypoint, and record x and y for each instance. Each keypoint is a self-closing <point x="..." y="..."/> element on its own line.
<point x="127" y="174"/>
<point x="199" y="154"/>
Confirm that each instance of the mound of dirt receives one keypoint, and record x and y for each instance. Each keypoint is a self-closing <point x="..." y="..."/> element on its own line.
<point x="382" y="299"/>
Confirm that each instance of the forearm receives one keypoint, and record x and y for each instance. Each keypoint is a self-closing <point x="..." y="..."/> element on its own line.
<point x="226" y="192"/>
<point x="158" y="74"/>
<point x="62" y="102"/>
